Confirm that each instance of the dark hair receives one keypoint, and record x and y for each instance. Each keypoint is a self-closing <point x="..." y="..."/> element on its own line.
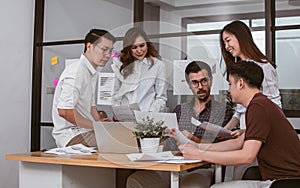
<point x="249" y="71"/>
<point x="128" y="41"/>
<point x="247" y="45"/>
<point x="95" y="35"/>
<point x="195" y="67"/>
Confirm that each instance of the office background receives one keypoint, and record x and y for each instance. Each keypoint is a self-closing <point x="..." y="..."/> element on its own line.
<point x="71" y="19"/>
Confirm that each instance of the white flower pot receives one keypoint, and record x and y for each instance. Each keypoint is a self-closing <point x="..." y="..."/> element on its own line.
<point x="149" y="145"/>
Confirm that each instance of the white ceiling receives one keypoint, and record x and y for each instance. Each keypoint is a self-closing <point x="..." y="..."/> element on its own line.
<point x="177" y="4"/>
<point x="191" y="8"/>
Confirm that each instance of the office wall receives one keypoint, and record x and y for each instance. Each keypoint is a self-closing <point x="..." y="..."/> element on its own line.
<point x="16" y="36"/>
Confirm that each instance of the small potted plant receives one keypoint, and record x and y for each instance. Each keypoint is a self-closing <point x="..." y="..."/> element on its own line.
<point x="150" y="134"/>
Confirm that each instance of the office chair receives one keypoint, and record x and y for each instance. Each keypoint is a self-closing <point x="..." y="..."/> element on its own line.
<point x="286" y="182"/>
<point x="253" y="173"/>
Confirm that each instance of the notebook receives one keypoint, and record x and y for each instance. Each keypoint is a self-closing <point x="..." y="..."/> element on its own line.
<point x="115" y="137"/>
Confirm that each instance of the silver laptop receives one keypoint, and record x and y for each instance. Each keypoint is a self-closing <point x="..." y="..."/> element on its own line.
<point x="115" y="137"/>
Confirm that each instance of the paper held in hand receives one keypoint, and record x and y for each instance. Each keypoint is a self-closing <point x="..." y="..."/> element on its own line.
<point x="170" y="119"/>
<point x="125" y="113"/>
<point x="212" y="128"/>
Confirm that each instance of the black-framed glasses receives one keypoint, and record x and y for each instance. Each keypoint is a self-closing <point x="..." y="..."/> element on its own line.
<point x="105" y="50"/>
<point x="203" y="82"/>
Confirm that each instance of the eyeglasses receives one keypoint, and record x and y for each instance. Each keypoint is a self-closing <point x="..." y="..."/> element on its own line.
<point x="105" y="50"/>
<point x="203" y="82"/>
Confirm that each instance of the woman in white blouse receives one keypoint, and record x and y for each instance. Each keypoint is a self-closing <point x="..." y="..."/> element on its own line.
<point x="140" y="75"/>
<point x="237" y="44"/>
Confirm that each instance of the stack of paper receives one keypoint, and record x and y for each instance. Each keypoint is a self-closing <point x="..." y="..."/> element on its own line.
<point x="77" y="149"/>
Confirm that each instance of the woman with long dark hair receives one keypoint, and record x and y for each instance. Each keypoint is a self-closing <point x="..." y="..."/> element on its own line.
<point x="237" y="44"/>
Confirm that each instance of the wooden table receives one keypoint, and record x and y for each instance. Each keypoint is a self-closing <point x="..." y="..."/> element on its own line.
<point x="37" y="169"/>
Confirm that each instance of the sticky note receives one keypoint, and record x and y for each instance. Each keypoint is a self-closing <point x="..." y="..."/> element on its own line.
<point x="54" y="60"/>
<point x="115" y="54"/>
<point x="55" y="82"/>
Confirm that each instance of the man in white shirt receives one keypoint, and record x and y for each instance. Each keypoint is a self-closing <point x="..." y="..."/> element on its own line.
<point x="74" y="110"/>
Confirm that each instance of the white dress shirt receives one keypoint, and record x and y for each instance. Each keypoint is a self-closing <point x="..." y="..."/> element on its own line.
<point x="75" y="90"/>
<point x="269" y="87"/>
<point x="146" y="86"/>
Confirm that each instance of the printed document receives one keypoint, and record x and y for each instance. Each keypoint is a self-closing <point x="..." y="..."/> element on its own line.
<point x="105" y="88"/>
<point x="212" y="128"/>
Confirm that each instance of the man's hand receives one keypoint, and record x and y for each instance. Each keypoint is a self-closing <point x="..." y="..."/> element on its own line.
<point x="102" y="117"/>
<point x="190" y="152"/>
<point x="179" y="137"/>
<point x="191" y="136"/>
<point x="115" y="118"/>
<point x="187" y="134"/>
<point x="234" y="134"/>
<point x="237" y="133"/>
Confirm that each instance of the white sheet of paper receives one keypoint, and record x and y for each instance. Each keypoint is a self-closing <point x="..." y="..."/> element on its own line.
<point x="166" y="155"/>
<point x="105" y="88"/>
<point x="161" y="157"/>
<point x="125" y="113"/>
<point x="179" y="160"/>
<point x="216" y="129"/>
<point x="170" y="119"/>
<point x="77" y="149"/>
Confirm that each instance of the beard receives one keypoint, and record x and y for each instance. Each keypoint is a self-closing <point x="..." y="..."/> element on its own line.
<point x="203" y="98"/>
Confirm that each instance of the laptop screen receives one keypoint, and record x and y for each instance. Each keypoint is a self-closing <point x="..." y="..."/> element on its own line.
<point x="115" y="137"/>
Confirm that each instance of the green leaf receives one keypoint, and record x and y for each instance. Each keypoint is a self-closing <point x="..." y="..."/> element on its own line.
<point x="150" y="129"/>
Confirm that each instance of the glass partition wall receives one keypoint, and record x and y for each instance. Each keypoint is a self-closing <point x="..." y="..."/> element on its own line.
<point x="288" y="61"/>
<point x="199" y="38"/>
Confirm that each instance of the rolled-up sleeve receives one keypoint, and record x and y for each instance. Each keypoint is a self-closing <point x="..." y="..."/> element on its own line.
<point x="69" y="95"/>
